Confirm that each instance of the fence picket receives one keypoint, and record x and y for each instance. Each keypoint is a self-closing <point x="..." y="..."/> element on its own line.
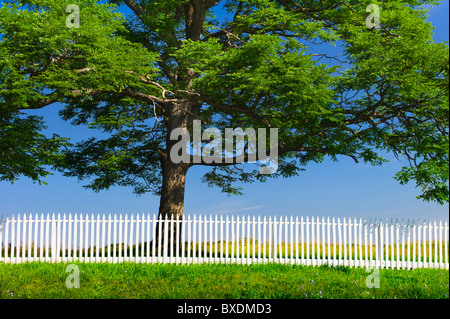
<point x="430" y="250"/>
<point x="329" y="242"/>
<point x="17" y="239"/>
<point x="221" y="239"/>
<point x="188" y="225"/>
<point x="194" y="234"/>
<point x="243" y="240"/>
<point x="307" y="240"/>
<point x="313" y="239"/>
<point x="435" y="264"/>
<point x="233" y="239"/>
<point x="75" y="237"/>
<point x="227" y="224"/>
<point x="211" y="242"/>
<point x="440" y="245"/>
<point x="7" y="225"/>
<point x="25" y="237"/>
<point x="274" y="240"/>
<point x="2" y="254"/>
<point x="446" y="244"/>
<point x="153" y="257"/>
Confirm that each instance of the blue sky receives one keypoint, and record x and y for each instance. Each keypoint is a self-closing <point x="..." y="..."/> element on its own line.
<point x="335" y="189"/>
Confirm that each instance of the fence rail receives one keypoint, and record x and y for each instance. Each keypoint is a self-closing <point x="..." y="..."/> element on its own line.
<point x="306" y="241"/>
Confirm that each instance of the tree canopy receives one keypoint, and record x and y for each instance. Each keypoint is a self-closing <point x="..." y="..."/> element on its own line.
<point x="162" y="64"/>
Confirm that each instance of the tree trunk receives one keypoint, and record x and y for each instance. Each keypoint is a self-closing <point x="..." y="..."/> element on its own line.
<point x="174" y="175"/>
<point x="171" y="204"/>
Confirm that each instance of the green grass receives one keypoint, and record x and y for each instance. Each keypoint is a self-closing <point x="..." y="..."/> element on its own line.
<point x="217" y="281"/>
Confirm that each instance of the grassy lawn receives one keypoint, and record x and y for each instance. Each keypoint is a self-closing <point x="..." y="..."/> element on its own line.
<point x="217" y="281"/>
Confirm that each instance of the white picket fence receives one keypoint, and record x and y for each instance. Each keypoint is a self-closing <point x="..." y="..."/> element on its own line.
<point x="306" y="241"/>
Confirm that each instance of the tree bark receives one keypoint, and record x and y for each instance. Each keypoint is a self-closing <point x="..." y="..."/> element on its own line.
<point x="178" y="115"/>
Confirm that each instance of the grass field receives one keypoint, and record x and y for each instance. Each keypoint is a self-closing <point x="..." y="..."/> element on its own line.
<point x="217" y="281"/>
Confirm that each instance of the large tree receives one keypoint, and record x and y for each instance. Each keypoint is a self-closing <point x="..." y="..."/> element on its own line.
<point x="318" y="71"/>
